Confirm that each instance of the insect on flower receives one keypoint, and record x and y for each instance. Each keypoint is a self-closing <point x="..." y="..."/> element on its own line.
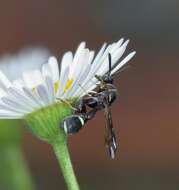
<point x="100" y="99"/>
<point x="38" y="96"/>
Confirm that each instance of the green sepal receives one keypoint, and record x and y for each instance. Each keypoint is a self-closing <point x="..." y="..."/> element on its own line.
<point x="45" y="122"/>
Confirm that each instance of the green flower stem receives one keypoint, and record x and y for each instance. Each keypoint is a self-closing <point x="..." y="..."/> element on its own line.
<point x="14" y="172"/>
<point x="45" y="124"/>
<point x="62" y="154"/>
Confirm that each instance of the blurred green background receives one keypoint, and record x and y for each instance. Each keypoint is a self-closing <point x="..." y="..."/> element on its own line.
<point x="146" y="113"/>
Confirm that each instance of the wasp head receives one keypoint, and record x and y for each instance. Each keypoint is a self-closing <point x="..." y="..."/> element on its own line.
<point x="108" y="79"/>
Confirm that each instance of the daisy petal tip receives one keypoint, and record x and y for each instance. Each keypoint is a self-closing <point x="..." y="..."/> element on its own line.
<point x="127" y="41"/>
<point x="133" y="53"/>
<point x="82" y="44"/>
<point x="120" y="41"/>
<point x="69" y="53"/>
<point x="52" y="60"/>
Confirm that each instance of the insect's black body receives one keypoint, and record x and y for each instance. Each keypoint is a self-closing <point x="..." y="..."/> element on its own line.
<point x="101" y="99"/>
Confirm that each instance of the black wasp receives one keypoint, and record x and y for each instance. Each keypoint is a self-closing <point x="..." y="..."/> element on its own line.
<point x="104" y="95"/>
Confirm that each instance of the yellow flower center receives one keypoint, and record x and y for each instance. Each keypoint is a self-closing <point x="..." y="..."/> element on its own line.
<point x="56" y="86"/>
<point x="68" y="84"/>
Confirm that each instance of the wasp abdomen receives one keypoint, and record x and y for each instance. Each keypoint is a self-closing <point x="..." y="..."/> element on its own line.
<point x="72" y="124"/>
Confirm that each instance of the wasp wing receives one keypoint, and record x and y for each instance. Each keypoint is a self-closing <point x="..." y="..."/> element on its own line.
<point x="110" y="138"/>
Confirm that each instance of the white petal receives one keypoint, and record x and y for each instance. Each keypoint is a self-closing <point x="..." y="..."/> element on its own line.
<point x="123" y="62"/>
<point x="4" y="81"/>
<point x="66" y="61"/>
<point x="18" y="83"/>
<point x="77" y="58"/>
<point x="46" y="71"/>
<point x="9" y="115"/>
<point x="33" y="78"/>
<point x="96" y="64"/>
<point x="2" y="93"/>
<point x="91" y="56"/>
<point x="81" y="76"/>
<point x="53" y="64"/>
<point x="117" y="53"/>
<point x="20" y="96"/>
<point x="79" y="70"/>
<point x="32" y="96"/>
<point x="63" y="83"/>
<point x="100" y="53"/>
<point x="11" y="105"/>
<point x="119" y="43"/>
<point x="43" y="94"/>
<point x="82" y="62"/>
<point x="14" y="100"/>
<point x="80" y="48"/>
<point x="50" y="89"/>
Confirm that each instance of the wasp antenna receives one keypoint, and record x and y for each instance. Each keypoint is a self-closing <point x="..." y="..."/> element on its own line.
<point x="110" y="63"/>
